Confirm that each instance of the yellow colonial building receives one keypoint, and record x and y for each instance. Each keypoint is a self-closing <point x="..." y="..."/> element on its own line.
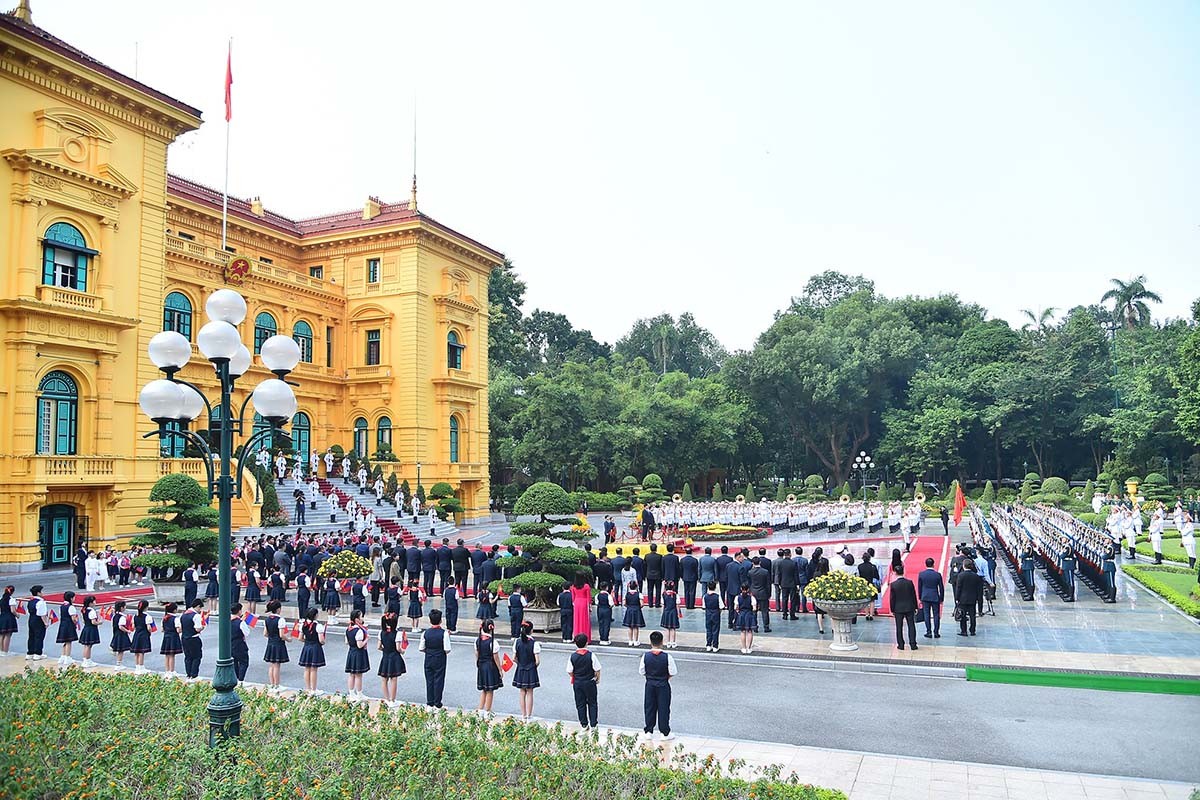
<point x="103" y="249"/>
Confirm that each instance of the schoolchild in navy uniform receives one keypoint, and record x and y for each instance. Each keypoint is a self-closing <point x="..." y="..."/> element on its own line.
<point x="212" y="591"/>
<point x="604" y="612"/>
<point x="416" y="600"/>
<point x="516" y="612"/>
<point x="358" y="597"/>
<point x="191" y="623"/>
<point x="712" y="618"/>
<point x="392" y="597"/>
<point x="120" y="643"/>
<point x="277" y="586"/>
<point x="584" y="669"/>
<point x="358" y="661"/>
<point x="634" y="620"/>
<point x="312" y="656"/>
<point x="450" y="607"/>
<point x="435" y="644"/>
<point x="276" y="653"/>
<point x="235" y="581"/>
<point x="67" y="632"/>
<point x="658" y="667"/>
<point x="528" y="655"/>
<point x="171" y="645"/>
<point x="747" y="617"/>
<point x="8" y="620"/>
<point x="488" y="677"/>
<point x="670" y="613"/>
<point x="391" y="663"/>
<point x="39" y="615"/>
<point x="303" y="593"/>
<point x="331" y="601"/>
<point x="191" y="589"/>
<point x="487" y="604"/>
<point x="566" y="614"/>
<point x="140" y="644"/>
<point x="253" y="592"/>
<point x="238" y="632"/>
<point x="90" y="635"/>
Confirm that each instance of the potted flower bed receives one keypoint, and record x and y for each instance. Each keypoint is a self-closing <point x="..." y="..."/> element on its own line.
<point x="842" y="597"/>
<point x="182" y="520"/>
<point x="346" y="564"/>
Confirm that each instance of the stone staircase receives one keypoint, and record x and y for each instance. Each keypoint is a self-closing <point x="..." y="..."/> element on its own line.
<point x="393" y="527"/>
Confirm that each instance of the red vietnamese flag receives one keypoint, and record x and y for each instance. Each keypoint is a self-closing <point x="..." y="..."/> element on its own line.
<point x="296" y="630"/>
<point x="960" y="504"/>
<point x="229" y="83"/>
<point x="403" y="641"/>
<point x="506" y="663"/>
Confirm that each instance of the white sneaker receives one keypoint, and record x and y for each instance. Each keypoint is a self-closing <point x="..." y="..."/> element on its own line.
<point x="29" y="658"/>
<point x="39" y="657"/>
<point x="605" y="642"/>
<point x="118" y="667"/>
<point x="87" y="663"/>
<point x="716" y="649"/>
<point x="668" y="737"/>
<point x="140" y="670"/>
<point x="318" y="692"/>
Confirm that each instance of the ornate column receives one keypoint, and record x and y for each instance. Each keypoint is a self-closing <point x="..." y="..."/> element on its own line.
<point x="24" y="245"/>
<point x="104" y="404"/>
<point x="108" y="260"/>
<point x="24" y="399"/>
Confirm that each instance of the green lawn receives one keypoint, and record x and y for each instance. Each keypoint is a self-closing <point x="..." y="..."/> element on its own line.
<point x="1172" y="551"/>
<point x="1176" y="585"/>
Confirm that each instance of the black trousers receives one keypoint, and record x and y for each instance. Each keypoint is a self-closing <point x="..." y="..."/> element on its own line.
<point x="193" y="651"/>
<point x="452" y="619"/>
<point x="241" y="663"/>
<point x="585" y="702"/>
<point x="654" y="586"/>
<point x="689" y="594"/>
<point x="764" y="610"/>
<point x="968" y="614"/>
<point x="903" y="618"/>
<point x="428" y="583"/>
<point x="712" y="628"/>
<point x="37" y="636"/>
<point x="460" y="579"/>
<point x="731" y="606"/>
<point x="476" y="581"/>
<point x="79" y="576"/>
<point x="786" y="595"/>
<point x="444" y="577"/>
<point x="800" y="601"/>
<point x="435" y="679"/>
<point x="604" y="622"/>
<point x="376" y="588"/>
<point x="658" y="708"/>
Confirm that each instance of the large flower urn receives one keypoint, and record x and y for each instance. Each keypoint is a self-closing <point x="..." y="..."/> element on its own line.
<point x="842" y="613"/>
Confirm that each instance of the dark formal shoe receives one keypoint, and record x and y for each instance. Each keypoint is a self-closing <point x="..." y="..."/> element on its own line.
<point x="972" y="633"/>
<point x="960" y="633"/>
<point x="914" y="647"/>
<point x="929" y="636"/>
<point x="900" y="646"/>
<point x="937" y="636"/>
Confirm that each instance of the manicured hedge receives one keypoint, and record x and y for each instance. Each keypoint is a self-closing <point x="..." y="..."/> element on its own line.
<point x="1176" y="585"/>
<point x="75" y="735"/>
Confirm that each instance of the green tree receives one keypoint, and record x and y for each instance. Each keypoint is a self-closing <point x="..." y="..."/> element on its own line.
<point x="717" y="495"/>
<point x="989" y="494"/>
<point x="1129" y="299"/>
<point x="182" y="518"/>
<point x="687" y="492"/>
<point x="550" y="504"/>
<point x="673" y="346"/>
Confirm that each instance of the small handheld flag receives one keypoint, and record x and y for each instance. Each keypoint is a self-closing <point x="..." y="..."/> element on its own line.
<point x="251" y="619"/>
<point x="106" y="613"/>
<point x="53" y="616"/>
<point x="506" y="663"/>
<point x="20" y="606"/>
<point x="203" y="617"/>
<point x="296" y="630"/>
<point x="153" y="625"/>
<point x="403" y="641"/>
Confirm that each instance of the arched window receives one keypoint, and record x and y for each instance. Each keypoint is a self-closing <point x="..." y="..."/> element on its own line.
<point x="360" y="436"/>
<point x="65" y="257"/>
<point x="302" y="333"/>
<point x="301" y="430"/>
<point x="383" y="433"/>
<point x="57" y="415"/>
<point x="172" y="446"/>
<point x="177" y="314"/>
<point x="454" y="351"/>
<point x="454" y="440"/>
<point x="264" y="328"/>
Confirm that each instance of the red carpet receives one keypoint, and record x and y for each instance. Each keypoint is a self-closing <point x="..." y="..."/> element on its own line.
<point x="106" y="597"/>
<point x="923" y="547"/>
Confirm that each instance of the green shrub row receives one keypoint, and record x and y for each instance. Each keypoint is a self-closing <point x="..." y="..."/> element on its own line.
<point x="1148" y="576"/>
<point x="74" y="735"/>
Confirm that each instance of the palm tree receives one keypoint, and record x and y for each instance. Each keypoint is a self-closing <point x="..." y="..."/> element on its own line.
<point x="1129" y="301"/>
<point x="1040" y="320"/>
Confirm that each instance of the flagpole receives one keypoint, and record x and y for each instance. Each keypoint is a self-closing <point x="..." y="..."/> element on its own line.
<point x="225" y="192"/>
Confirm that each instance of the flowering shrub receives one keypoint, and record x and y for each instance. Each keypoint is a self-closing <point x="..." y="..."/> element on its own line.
<point x="839" y="586"/>
<point x="75" y="735"/>
<point x="346" y="564"/>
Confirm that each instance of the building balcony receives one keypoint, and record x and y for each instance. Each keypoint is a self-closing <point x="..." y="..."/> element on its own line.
<point x="259" y="269"/>
<point x="466" y="471"/>
<point x="68" y="298"/>
<point x="370" y="372"/>
<point x="67" y="470"/>
<point x="187" y="466"/>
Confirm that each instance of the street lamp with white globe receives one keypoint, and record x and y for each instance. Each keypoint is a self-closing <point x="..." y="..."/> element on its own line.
<point x="863" y="462"/>
<point x="172" y="402"/>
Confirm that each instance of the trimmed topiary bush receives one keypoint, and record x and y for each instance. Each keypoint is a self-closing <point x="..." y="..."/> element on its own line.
<point x="989" y="494"/>
<point x="686" y="494"/>
<point x="545" y="500"/>
<point x="182" y="518"/>
<point x="1054" y="486"/>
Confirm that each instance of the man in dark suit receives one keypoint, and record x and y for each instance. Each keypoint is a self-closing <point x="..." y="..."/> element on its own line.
<point x="460" y="557"/>
<point x="610" y="529"/>
<point x="932" y="592"/>
<point x="603" y="570"/>
<point x="428" y="565"/>
<point x="785" y="578"/>
<point x="654" y="576"/>
<point x="670" y="566"/>
<point x="904" y="607"/>
<point x="647" y="523"/>
<point x="412" y="561"/>
<point x="445" y="564"/>
<point x="618" y="564"/>
<point x="689" y="573"/>
<point x="722" y="565"/>
<point x="733" y="585"/>
<point x="478" y="556"/>
<point x="760" y="589"/>
<point x="967" y="591"/>
<point x="79" y="567"/>
<point x="638" y="565"/>
<point x="799" y="600"/>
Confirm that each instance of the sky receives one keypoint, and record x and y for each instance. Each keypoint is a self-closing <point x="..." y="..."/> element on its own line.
<point x="639" y="158"/>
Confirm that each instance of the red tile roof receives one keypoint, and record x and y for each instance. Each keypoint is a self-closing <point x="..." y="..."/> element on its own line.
<point x="342" y="221"/>
<point x="31" y="32"/>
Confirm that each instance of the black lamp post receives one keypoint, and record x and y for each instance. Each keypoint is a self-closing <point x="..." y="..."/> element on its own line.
<point x="171" y="400"/>
<point x="863" y="462"/>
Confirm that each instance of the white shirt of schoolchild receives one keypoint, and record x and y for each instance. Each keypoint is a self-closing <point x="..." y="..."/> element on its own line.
<point x="445" y="636"/>
<point x="38" y="607"/>
<point x="672" y="669"/>
<point x="537" y="646"/>
<point x="595" y="664"/>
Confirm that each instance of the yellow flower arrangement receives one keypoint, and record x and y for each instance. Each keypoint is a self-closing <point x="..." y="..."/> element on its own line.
<point x="840" y="586"/>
